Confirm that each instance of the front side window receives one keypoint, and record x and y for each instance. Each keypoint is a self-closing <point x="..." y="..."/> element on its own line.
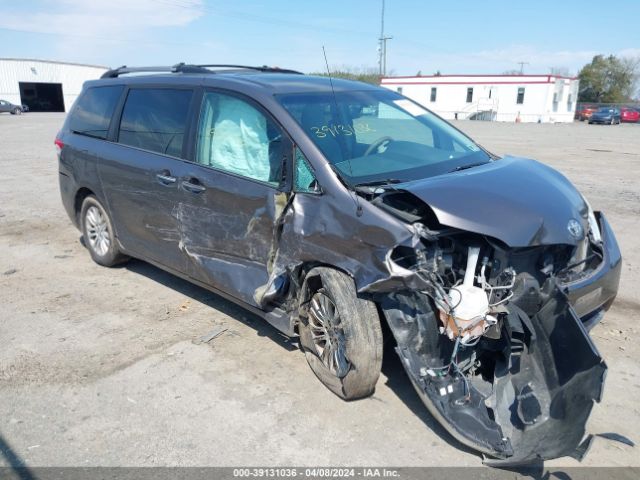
<point x="236" y="137"/>
<point x="378" y="135"/>
<point x="520" y="97"/>
<point x="155" y="119"/>
<point x="92" y="113"/>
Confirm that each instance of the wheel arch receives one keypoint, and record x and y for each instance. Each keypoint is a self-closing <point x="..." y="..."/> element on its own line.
<point x="81" y="194"/>
<point x="306" y="284"/>
<point x="304" y="278"/>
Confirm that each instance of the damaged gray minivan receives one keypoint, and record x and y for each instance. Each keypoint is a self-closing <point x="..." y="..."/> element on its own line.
<point x="330" y="207"/>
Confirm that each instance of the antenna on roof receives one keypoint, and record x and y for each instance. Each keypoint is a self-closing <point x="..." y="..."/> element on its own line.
<point x="335" y="102"/>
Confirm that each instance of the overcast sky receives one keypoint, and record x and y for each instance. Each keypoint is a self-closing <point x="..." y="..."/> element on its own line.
<point x="464" y="36"/>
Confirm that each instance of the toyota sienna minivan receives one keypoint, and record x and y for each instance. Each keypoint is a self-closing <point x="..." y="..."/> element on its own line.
<point x="331" y="207"/>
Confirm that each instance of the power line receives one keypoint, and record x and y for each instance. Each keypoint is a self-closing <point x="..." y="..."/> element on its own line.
<point x="258" y="18"/>
<point x="111" y="39"/>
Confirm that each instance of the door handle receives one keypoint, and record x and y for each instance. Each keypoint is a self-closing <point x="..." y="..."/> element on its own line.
<point x="193" y="185"/>
<point x="165" y="178"/>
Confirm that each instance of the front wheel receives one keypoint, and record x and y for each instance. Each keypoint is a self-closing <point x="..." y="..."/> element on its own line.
<point x="98" y="233"/>
<point x="340" y="334"/>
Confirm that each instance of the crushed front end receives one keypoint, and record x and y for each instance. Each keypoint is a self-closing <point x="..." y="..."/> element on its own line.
<point x="492" y="337"/>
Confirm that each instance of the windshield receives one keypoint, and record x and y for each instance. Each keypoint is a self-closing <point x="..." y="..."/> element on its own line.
<point x="605" y="110"/>
<point x="380" y="136"/>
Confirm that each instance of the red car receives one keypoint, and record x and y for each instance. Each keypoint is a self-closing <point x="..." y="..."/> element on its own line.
<point x="584" y="112"/>
<point x="629" y="115"/>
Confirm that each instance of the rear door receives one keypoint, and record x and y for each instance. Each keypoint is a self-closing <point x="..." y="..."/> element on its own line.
<point x="234" y="194"/>
<point x="139" y="172"/>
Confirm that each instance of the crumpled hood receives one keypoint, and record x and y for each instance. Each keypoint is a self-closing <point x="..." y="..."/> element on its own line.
<point x="519" y="201"/>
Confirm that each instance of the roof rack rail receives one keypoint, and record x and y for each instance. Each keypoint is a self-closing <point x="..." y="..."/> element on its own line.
<point x="179" y="67"/>
<point x="186" y="68"/>
<point x="263" y="68"/>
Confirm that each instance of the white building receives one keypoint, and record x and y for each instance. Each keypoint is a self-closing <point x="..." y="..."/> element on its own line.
<point x="504" y="98"/>
<point x="43" y="85"/>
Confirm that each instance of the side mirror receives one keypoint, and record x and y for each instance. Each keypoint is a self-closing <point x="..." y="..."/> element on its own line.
<point x="314" y="187"/>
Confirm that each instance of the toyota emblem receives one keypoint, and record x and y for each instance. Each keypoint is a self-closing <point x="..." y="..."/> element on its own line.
<point x="575" y="229"/>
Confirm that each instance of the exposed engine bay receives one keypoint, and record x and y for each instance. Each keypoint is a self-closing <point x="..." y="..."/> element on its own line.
<point x="492" y="344"/>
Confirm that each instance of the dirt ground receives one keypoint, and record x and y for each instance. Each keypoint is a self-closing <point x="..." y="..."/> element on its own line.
<point x="101" y="366"/>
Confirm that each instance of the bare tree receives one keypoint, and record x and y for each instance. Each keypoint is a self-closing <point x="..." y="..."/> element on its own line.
<point x="632" y="66"/>
<point x="560" y="71"/>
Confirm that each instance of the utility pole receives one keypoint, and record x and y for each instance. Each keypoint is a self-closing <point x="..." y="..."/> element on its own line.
<point x="522" y="64"/>
<point x="382" y="47"/>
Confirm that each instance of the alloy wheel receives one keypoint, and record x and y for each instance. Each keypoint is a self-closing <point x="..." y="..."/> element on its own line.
<point x="328" y="335"/>
<point x="97" y="230"/>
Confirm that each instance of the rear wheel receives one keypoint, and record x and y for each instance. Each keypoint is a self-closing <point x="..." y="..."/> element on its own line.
<point x="98" y="233"/>
<point x="340" y="334"/>
<point x="16" y="111"/>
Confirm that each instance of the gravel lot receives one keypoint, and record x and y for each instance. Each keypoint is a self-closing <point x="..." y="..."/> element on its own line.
<point x="100" y="366"/>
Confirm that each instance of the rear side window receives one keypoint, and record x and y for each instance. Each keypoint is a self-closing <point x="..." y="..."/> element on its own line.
<point x="155" y="119"/>
<point x="92" y="114"/>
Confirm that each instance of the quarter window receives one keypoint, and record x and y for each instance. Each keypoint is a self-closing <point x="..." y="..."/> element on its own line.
<point x="304" y="179"/>
<point x="155" y="119"/>
<point x="92" y="113"/>
<point x="434" y="93"/>
<point x="469" y="94"/>
<point x="236" y="137"/>
<point x="520" y="97"/>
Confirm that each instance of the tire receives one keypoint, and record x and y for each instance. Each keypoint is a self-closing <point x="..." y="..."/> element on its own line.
<point x="17" y="111"/>
<point x="354" y="332"/>
<point x="98" y="233"/>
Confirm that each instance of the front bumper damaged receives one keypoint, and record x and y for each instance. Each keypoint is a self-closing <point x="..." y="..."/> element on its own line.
<point x="545" y="383"/>
<point x="591" y="295"/>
